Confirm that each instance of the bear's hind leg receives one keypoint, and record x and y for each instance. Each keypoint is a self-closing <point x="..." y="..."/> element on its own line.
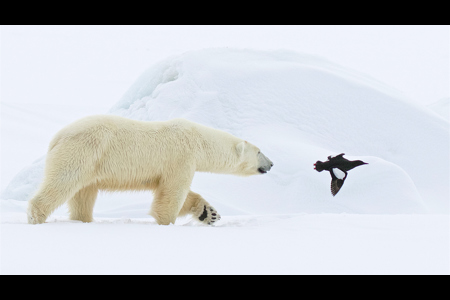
<point x="81" y="205"/>
<point x="48" y="198"/>
<point x="196" y="205"/>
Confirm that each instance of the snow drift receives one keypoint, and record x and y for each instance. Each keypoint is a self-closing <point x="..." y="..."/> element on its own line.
<point x="298" y="109"/>
<point x="441" y="107"/>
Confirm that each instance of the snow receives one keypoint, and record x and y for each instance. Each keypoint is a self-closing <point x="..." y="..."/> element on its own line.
<point x="441" y="107"/>
<point x="256" y="244"/>
<point x="390" y="217"/>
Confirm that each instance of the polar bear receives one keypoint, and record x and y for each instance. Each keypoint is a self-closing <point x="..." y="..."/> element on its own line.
<point x="113" y="153"/>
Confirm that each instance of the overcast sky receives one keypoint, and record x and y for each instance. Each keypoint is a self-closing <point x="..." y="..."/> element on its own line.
<point x="47" y="64"/>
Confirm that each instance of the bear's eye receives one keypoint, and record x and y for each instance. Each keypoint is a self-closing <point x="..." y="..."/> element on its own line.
<point x="259" y="152"/>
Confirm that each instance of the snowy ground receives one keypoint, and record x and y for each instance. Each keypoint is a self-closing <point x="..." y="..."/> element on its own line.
<point x="390" y="217"/>
<point x="242" y="244"/>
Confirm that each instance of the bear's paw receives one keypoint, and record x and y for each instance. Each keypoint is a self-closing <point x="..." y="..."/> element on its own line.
<point x="35" y="216"/>
<point x="209" y="215"/>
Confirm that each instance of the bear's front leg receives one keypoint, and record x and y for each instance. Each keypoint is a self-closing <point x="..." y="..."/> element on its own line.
<point x="168" y="199"/>
<point x="165" y="209"/>
<point x="200" y="209"/>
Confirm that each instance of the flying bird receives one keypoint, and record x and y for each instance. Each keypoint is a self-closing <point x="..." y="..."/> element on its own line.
<point x="338" y="166"/>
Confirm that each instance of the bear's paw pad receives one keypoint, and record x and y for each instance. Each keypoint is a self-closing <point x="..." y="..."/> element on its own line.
<point x="209" y="215"/>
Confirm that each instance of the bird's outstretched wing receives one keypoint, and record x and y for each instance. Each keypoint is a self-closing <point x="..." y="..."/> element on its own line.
<point x="336" y="186"/>
<point x="337" y="180"/>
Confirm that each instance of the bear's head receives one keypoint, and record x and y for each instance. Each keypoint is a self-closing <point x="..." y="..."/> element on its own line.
<point x="251" y="160"/>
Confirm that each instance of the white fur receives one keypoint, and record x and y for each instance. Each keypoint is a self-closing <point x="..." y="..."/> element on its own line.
<point x="115" y="154"/>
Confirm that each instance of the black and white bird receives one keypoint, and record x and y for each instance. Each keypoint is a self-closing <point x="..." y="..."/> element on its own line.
<point x="338" y="166"/>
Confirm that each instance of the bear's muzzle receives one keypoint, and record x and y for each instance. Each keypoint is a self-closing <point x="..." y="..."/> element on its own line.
<point x="265" y="169"/>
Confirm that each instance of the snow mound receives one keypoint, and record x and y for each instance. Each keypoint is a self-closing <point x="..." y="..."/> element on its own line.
<point x="442" y="108"/>
<point x="298" y="109"/>
<point x="26" y="182"/>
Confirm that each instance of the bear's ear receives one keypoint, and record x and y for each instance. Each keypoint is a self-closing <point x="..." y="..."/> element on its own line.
<point x="240" y="147"/>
